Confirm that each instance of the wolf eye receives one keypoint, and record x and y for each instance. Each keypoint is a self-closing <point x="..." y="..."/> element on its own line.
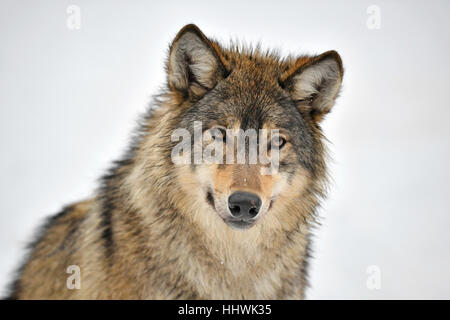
<point x="218" y="133"/>
<point x="277" y="142"/>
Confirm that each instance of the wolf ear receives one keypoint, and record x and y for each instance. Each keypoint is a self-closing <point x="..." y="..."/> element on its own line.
<point x="314" y="85"/>
<point x="195" y="64"/>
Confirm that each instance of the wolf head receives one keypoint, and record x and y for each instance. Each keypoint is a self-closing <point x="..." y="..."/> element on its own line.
<point x="227" y="91"/>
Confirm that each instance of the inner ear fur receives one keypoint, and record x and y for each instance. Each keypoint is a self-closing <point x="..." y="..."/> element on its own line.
<point x="195" y="64"/>
<point x="314" y="84"/>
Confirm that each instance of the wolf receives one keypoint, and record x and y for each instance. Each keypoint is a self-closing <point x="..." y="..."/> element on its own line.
<point x="159" y="230"/>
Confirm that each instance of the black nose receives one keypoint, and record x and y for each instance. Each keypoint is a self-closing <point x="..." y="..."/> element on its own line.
<point x="244" y="205"/>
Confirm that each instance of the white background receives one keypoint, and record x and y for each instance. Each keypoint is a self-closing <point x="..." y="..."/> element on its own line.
<point x="69" y="100"/>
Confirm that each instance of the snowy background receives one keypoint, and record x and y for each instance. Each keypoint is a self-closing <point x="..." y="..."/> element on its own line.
<point x="69" y="99"/>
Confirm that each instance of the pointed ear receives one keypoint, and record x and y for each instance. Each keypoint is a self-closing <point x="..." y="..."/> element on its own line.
<point x="195" y="63"/>
<point x="314" y="85"/>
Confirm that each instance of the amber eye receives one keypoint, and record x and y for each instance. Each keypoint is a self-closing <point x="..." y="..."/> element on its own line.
<point x="277" y="142"/>
<point x="218" y="133"/>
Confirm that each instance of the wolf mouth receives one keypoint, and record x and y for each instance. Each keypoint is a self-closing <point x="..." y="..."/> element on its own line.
<point x="239" y="224"/>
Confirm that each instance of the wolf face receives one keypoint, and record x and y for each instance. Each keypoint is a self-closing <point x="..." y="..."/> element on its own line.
<point x="234" y="91"/>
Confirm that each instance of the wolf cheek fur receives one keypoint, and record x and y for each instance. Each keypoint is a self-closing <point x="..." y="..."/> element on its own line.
<point x="156" y="230"/>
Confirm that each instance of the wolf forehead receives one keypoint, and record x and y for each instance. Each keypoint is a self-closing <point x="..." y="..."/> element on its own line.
<point x="229" y="105"/>
<point x="249" y="95"/>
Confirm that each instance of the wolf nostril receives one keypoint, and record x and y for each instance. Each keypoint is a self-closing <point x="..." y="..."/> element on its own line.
<point x="235" y="210"/>
<point x="244" y="205"/>
<point x="253" y="212"/>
